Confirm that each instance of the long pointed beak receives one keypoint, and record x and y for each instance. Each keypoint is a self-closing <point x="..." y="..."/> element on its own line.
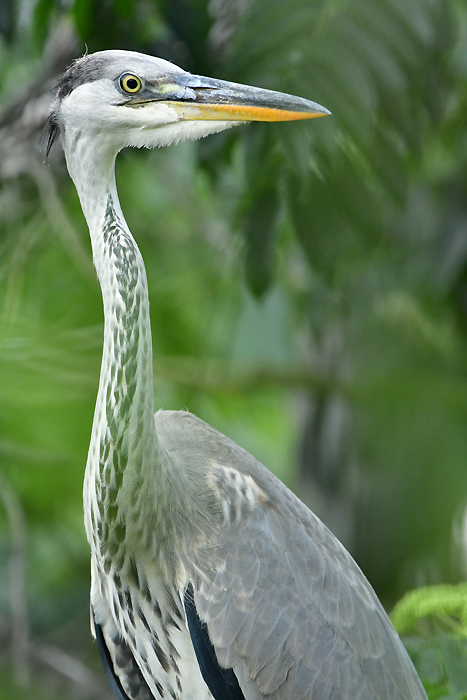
<point x="197" y="98"/>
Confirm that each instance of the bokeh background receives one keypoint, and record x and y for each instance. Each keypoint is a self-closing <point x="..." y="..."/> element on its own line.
<point x="308" y="288"/>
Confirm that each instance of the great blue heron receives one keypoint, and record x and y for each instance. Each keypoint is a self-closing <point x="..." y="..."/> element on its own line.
<point x="209" y="577"/>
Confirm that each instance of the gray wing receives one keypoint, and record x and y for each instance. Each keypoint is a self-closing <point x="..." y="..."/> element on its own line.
<point x="294" y="618"/>
<point x="285" y="605"/>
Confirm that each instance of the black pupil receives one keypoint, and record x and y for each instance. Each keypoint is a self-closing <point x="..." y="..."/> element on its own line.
<point x="132" y="84"/>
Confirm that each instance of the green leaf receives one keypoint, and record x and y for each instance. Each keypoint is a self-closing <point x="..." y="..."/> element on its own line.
<point x="260" y="229"/>
<point x="42" y="18"/>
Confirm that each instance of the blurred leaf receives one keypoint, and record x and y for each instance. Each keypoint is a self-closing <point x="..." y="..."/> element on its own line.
<point x="42" y="15"/>
<point x="260" y="209"/>
<point x="260" y="231"/>
<point x="7" y="19"/>
<point x="448" y="604"/>
<point x="441" y="663"/>
<point x="356" y="61"/>
<point x="84" y="13"/>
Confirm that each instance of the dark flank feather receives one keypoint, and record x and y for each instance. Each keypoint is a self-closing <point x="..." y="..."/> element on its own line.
<point x="222" y="682"/>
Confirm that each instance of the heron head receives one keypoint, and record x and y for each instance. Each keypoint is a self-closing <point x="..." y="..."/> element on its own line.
<point x="123" y="98"/>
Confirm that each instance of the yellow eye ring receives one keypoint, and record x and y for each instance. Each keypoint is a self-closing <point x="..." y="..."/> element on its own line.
<point x="130" y="83"/>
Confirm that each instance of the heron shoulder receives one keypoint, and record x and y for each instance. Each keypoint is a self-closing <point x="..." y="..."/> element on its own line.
<point x="230" y="470"/>
<point x="193" y="441"/>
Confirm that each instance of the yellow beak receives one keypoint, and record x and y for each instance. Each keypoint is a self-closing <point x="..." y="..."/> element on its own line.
<point x="197" y="98"/>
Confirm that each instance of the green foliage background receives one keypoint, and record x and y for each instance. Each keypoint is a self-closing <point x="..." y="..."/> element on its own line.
<point x="308" y="297"/>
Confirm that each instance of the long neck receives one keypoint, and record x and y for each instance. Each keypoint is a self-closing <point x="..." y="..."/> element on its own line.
<point x="125" y="403"/>
<point x="123" y="453"/>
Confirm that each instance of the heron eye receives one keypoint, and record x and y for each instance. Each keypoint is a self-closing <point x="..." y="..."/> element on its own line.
<point x="130" y="83"/>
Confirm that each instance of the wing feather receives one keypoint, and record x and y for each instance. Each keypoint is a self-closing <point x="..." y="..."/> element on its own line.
<point x="284" y="604"/>
<point x="304" y="622"/>
<point x="222" y="682"/>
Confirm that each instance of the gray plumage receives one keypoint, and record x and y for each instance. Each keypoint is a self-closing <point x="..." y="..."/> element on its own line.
<point x="172" y="505"/>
